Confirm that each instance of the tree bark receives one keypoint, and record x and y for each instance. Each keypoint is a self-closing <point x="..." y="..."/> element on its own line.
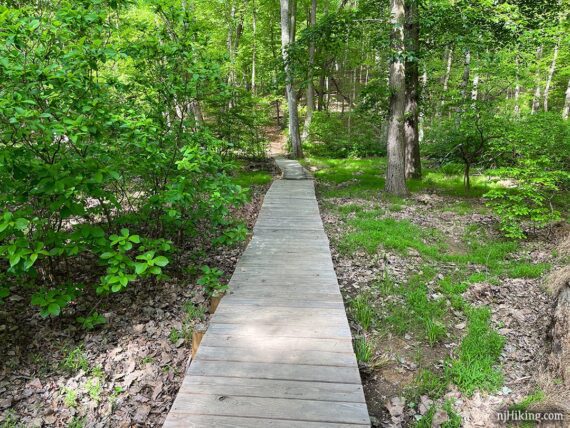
<point x="286" y="29"/>
<point x="395" y="172"/>
<point x="310" y="89"/>
<point x="448" y="62"/>
<point x="466" y="73"/>
<point x="253" y="48"/>
<point x="411" y="133"/>
<point x="475" y="89"/>
<point x="566" y="110"/>
<point x="536" y="98"/>
<point x="550" y="75"/>
<point x="560" y="357"/>
<point x="517" y="91"/>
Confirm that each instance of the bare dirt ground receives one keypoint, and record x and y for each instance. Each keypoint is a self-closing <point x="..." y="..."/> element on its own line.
<point x="125" y="373"/>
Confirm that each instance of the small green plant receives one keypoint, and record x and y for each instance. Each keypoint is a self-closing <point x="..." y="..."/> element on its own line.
<point x="91" y="321"/>
<point x="51" y="302"/>
<point x="147" y="359"/>
<point x="98" y="372"/>
<point x="210" y="280"/>
<point x="363" y="349"/>
<point x="429" y="383"/>
<point x="194" y="312"/>
<point x="76" y="360"/>
<point x="362" y="310"/>
<point x="76" y="422"/>
<point x="69" y="397"/>
<point x="94" y="388"/>
<point x="175" y="335"/>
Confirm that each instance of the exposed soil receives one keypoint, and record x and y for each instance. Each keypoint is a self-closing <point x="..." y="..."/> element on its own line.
<point x="521" y="311"/>
<point x="125" y="373"/>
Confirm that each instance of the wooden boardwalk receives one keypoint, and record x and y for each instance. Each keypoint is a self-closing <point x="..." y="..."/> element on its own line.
<point x="278" y="351"/>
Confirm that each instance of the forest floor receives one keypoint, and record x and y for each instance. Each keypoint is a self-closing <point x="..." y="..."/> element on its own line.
<point x="450" y="321"/>
<point x="128" y="371"/>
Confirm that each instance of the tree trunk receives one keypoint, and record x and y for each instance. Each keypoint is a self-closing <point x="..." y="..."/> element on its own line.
<point x="449" y="60"/>
<point x="253" y="48"/>
<point x="411" y="134"/>
<point x="466" y="73"/>
<point x="536" y="98"/>
<point x="395" y="172"/>
<point x="286" y="29"/>
<point x="310" y="89"/>
<point x="517" y="91"/>
<point x="550" y="75"/>
<point x="475" y="89"/>
<point x="566" y="110"/>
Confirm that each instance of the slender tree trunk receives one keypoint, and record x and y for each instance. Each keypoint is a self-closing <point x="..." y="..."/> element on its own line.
<point x="321" y="100"/>
<point x="287" y="25"/>
<point x="421" y="119"/>
<point x="536" y="98"/>
<point x="566" y="110"/>
<point x="550" y="75"/>
<point x="411" y="132"/>
<point x="395" y="172"/>
<point x="253" y="48"/>
<point x="310" y="89"/>
<point x="448" y="62"/>
<point x="475" y="89"/>
<point x="466" y="74"/>
<point x="517" y="94"/>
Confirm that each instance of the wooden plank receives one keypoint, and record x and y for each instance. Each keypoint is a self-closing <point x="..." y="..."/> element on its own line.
<point x="241" y="387"/>
<point x="302" y="372"/>
<point x="179" y="420"/>
<point x="322" y="331"/>
<point x="259" y="353"/>
<point x="283" y="344"/>
<point x="272" y="408"/>
<point x="237" y="302"/>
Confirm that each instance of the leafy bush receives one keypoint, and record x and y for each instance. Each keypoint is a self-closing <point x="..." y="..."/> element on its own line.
<point x="339" y="135"/>
<point x="99" y="159"/>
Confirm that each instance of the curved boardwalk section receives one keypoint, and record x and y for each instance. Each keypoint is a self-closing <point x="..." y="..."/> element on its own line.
<point x="278" y="351"/>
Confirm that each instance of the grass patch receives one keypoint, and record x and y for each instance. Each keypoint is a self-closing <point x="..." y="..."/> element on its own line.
<point x="362" y="311"/>
<point x="369" y="231"/>
<point x="417" y="312"/>
<point x="246" y="179"/>
<point x="454" y="420"/>
<point x="479" y="352"/>
<point x="75" y="360"/>
<point x="363" y="349"/>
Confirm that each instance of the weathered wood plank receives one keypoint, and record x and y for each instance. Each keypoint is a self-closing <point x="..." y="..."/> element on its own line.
<point x="209" y="421"/>
<point x="272" y="408"/>
<point x="323" y="331"/>
<point x="242" y="387"/>
<point x="283" y="344"/>
<point x="302" y="372"/>
<point x="258" y="353"/>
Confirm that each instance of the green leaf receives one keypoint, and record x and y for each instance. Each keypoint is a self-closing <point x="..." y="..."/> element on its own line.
<point x="14" y="260"/>
<point x="135" y="238"/>
<point x="53" y="309"/>
<point x="161" y="261"/>
<point x="107" y="255"/>
<point x="140" y="268"/>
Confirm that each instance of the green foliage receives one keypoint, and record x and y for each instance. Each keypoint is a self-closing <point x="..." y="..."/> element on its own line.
<point x="91" y="321"/>
<point x="362" y="310"/>
<point x="210" y="280"/>
<point x="75" y="360"/>
<point x="345" y="135"/>
<point x="531" y="198"/>
<point x="100" y="157"/>
<point x="478" y="355"/>
<point x="363" y="349"/>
